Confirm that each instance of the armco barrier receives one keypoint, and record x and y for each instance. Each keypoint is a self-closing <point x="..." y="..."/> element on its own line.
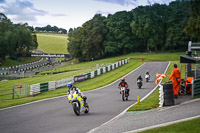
<point x="52" y="85"/>
<point x="44" y="87"/>
<point x="63" y="82"/>
<point x="104" y="69"/>
<point x="98" y="72"/>
<point x="34" y="89"/>
<point x="92" y="74"/>
<point x="80" y="78"/>
<point x="89" y="75"/>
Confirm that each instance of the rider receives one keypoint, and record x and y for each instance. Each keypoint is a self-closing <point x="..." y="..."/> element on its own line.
<point x="147" y="73"/>
<point x="139" y="78"/>
<point x="71" y="87"/>
<point x="123" y="83"/>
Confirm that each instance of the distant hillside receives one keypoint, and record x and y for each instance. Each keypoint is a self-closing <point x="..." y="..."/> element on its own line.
<point x="52" y="43"/>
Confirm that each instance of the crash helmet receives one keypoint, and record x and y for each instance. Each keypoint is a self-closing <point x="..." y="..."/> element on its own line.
<point x="70" y="84"/>
<point x="123" y="79"/>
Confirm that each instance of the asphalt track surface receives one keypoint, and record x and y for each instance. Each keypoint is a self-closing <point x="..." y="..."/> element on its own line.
<point x="56" y="115"/>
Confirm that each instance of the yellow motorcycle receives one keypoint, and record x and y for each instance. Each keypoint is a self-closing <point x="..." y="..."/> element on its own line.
<point x="78" y="104"/>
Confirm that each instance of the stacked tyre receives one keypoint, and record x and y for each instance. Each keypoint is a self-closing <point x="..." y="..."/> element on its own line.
<point x="168" y="94"/>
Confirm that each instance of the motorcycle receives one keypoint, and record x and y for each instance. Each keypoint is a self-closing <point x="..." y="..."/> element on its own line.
<point x="124" y="92"/>
<point x="139" y="83"/>
<point x="147" y="77"/>
<point x="78" y="103"/>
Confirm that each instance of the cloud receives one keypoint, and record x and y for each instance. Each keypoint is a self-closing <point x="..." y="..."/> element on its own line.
<point x="59" y="15"/>
<point x="150" y="2"/>
<point x="135" y="2"/>
<point x="121" y="2"/>
<point x="21" y="10"/>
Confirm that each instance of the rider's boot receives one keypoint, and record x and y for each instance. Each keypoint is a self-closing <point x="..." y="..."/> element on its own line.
<point x="84" y="100"/>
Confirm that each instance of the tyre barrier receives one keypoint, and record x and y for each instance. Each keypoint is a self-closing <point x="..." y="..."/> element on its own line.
<point x="168" y="94"/>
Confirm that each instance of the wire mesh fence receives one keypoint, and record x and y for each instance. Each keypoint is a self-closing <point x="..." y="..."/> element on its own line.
<point x="18" y="91"/>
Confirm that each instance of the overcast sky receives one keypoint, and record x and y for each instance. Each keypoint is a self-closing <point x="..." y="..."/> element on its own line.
<point x="65" y="13"/>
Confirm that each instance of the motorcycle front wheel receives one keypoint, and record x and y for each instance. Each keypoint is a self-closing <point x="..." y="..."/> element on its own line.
<point x="76" y="109"/>
<point x="123" y="96"/>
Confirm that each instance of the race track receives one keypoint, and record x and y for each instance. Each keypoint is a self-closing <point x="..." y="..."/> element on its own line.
<point x="56" y="115"/>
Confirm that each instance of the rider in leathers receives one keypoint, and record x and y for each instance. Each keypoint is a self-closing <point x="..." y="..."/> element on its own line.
<point x="71" y="87"/>
<point x="123" y="83"/>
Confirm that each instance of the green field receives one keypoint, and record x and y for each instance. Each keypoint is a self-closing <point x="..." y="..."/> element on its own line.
<point x="52" y="43"/>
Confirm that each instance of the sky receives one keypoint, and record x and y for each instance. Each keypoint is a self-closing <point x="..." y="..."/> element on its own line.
<point x="66" y="13"/>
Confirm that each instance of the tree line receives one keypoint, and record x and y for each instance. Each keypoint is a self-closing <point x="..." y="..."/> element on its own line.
<point x="15" y="39"/>
<point x="145" y="28"/>
<point x="50" y="28"/>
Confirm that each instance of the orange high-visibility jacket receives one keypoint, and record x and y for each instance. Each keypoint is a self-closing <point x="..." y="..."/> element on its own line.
<point x="189" y="79"/>
<point x="175" y="75"/>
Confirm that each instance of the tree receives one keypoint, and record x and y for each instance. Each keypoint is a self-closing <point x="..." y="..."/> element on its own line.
<point x="139" y="25"/>
<point x="94" y="32"/>
<point x="193" y="25"/>
<point x="176" y="21"/>
<point x="86" y="43"/>
<point x="7" y="37"/>
<point x="15" y="39"/>
<point x="25" y="42"/>
<point x="74" y="45"/>
<point x="149" y="25"/>
<point x="119" y="37"/>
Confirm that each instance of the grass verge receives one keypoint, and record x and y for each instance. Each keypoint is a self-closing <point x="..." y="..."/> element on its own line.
<point x="191" y="126"/>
